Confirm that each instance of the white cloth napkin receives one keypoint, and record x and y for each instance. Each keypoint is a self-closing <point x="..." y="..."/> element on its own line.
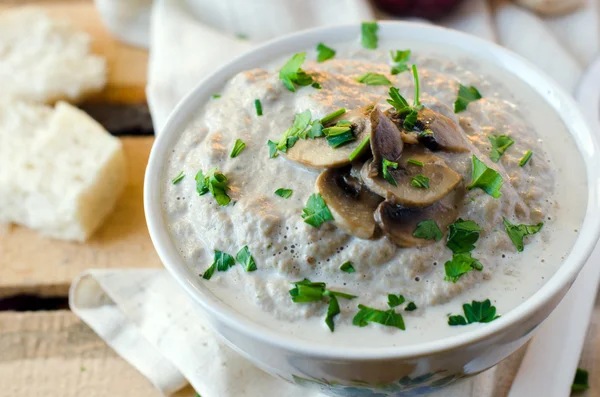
<point x="143" y="314"/>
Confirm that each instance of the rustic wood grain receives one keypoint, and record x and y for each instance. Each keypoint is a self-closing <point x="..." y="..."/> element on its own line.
<point x="54" y="354"/>
<point x="30" y="263"/>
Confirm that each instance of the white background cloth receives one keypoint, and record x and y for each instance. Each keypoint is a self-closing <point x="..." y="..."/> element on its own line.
<point x="143" y="314"/>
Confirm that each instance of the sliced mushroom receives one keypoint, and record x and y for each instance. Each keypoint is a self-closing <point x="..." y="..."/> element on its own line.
<point x="439" y="132"/>
<point x="442" y="179"/>
<point x="351" y="204"/>
<point x="410" y="137"/>
<point x="399" y="223"/>
<point x="386" y="140"/>
<point x="316" y="153"/>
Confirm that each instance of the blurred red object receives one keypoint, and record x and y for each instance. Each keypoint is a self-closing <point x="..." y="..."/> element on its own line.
<point x="428" y="9"/>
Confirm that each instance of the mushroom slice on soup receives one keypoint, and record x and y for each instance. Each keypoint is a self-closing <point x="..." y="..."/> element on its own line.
<point x="386" y="141"/>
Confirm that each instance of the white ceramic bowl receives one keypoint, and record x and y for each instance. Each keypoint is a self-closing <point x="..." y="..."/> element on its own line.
<point x="395" y="371"/>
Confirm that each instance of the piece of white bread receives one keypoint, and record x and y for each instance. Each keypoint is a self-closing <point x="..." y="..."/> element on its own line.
<point x="44" y="60"/>
<point x="60" y="171"/>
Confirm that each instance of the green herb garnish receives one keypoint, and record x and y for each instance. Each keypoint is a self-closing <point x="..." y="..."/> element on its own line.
<point x="272" y="148"/>
<point x="368" y="315"/>
<point x="316" y="86"/>
<point x="476" y="312"/>
<point x="347" y="267"/>
<point x="328" y="117"/>
<point x="459" y="265"/>
<point x="415" y="162"/>
<point x="499" y="145"/>
<point x="373" y="79"/>
<point x="215" y="96"/>
<point x="401" y="105"/>
<point x="525" y="158"/>
<point x="400" y="58"/>
<point x="316" y="211"/>
<point x="215" y="183"/>
<point x="292" y="75"/>
<point x="369" y="35"/>
<point x="299" y="129"/>
<point x="428" y="230"/>
<point x="244" y="257"/>
<point x="395" y="300"/>
<point x="324" y="53"/>
<point x="258" y="107"/>
<point x="410" y="307"/>
<point x="466" y="95"/>
<point x="420" y="181"/>
<point x="518" y="232"/>
<point x="398" y="101"/>
<point x="285" y="193"/>
<point x="339" y="134"/>
<point x="221" y="262"/>
<point x="178" y="178"/>
<point x="580" y="382"/>
<point x="237" y="148"/>
<point x="385" y="166"/>
<point x="359" y="148"/>
<point x="462" y="236"/>
<point x="485" y="178"/>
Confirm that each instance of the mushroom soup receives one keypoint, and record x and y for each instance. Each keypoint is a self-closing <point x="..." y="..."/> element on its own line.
<point x="361" y="199"/>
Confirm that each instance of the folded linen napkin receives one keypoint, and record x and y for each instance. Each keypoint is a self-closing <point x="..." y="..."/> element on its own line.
<point x="143" y="314"/>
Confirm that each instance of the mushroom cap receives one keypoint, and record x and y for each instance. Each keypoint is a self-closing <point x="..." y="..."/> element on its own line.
<point x="399" y="223"/>
<point x="442" y="180"/>
<point x="316" y="153"/>
<point x="386" y="139"/>
<point x="446" y="134"/>
<point x="351" y="204"/>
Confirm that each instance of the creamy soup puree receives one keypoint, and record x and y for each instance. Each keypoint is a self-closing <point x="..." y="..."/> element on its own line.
<point x="416" y="226"/>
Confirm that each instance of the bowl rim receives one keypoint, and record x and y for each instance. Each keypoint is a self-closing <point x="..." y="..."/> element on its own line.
<point x="553" y="94"/>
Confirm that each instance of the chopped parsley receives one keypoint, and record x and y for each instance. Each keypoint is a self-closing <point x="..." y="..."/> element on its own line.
<point x="420" y="181"/>
<point x="316" y="85"/>
<point x="466" y="95"/>
<point x="385" y="165"/>
<point x="428" y="230"/>
<point x="410" y="307"/>
<point x="316" y="211"/>
<point x="400" y="58"/>
<point x="178" y="178"/>
<point x="215" y="183"/>
<point x="339" y="134"/>
<point x="462" y="236"/>
<point x="369" y="37"/>
<point x="316" y="130"/>
<point x="216" y="96"/>
<point x="415" y="162"/>
<point x="518" y="232"/>
<point x="307" y="291"/>
<point x="299" y="129"/>
<point x="397" y="101"/>
<point x="359" y="148"/>
<point x="237" y="148"/>
<point x="499" y="145"/>
<point x="476" y="312"/>
<point x="272" y="148"/>
<point x="221" y="262"/>
<point x="459" y="265"/>
<point x="292" y="75"/>
<point x="395" y="300"/>
<point x="580" y="382"/>
<point x="485" y="178"/>
<point x="244" y="257"/>
<point x="324" y="53"/>
<point x="373" y="79"/>
<point x="401" y="105"/>
<point x="285" y="193"/>
<point x="327" y="118"/>
<point x="258" y="107"/>
<point x="347" y="267"/>
<point x="525" y="158"/>
<point x="368" y="315"/>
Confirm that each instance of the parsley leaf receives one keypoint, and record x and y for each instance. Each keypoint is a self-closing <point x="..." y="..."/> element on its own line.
<point x="215" y="96"/>
<point x="395" y="300"/>
<point x="398" y="102"/>
<point x="420" y="181"/>
<point x="485" y="178"/>
<point x="178" y="178"/>
<point x="373" y="79"/>
<point x="368" y="315"/>
<point x="369" y="37"/>
<point x="525" y="158"/>
<point x="316" y="130"/>
<point x="300" y="129"/>
<point x="316" y="85"/>
<point x="385" y="165"/>
<point x="580" y="382"/>
<point x="359" y="149"/>
<point x="316" y="211"/>
<point x="347" y="267"/>
<point x="244" y="257"/>
<point x="459" y="265"/>
<point x="324" y="53"/>
<point x="339" y="134"/>
<point x="285" y="193"/>
<point x="428" y="230"/>
<point x="327" y="118"/>
<point x="462" y="236"/>
<point x="400" y="58"/>
<point x="221" y="262"/>
<point x="272" y="148"/>
<point x="476" y="312"/>
<point x="499" y="145"/>
<point x="237" y="148"/>
<point x="215" y="183"/>
<point x="466" y="95"/>
<point x="518" y="232"/>
<point x="258" y="107"/>
<point x="415" y="162"/>
<point x="333" y="309"/>
<point x="410" y="307"/>
<point x="291" y="73"/>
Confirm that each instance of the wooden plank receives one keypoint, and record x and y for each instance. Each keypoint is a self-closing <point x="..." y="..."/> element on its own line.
<point x="54" y="354"/>
<point x="31" y="263"/>
<point x="127" y="65"/>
